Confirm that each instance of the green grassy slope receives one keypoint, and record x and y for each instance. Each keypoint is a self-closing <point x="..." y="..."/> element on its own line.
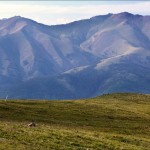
<point x="109" y="122"/>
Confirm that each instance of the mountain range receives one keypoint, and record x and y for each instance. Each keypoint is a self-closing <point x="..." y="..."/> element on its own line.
<point x="82" y="59"/>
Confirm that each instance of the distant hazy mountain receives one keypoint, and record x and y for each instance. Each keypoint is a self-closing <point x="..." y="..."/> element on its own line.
<point x="103" y="54"/>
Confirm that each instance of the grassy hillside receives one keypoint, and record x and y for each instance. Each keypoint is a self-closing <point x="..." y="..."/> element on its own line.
<point x="109" y="122"/>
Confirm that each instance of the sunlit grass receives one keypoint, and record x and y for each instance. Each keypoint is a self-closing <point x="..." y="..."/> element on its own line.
<point x="115" y="121"/>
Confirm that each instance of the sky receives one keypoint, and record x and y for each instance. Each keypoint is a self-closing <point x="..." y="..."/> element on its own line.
<point x="60" y="12"/>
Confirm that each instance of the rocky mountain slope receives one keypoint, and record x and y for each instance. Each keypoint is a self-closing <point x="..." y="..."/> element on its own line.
<point x="103" y="54"/>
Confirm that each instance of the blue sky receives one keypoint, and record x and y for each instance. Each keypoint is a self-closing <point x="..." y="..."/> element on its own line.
<point x="58" y="12"/>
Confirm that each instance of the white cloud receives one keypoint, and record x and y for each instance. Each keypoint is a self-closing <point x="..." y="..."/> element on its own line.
<point x="55" y="14"/>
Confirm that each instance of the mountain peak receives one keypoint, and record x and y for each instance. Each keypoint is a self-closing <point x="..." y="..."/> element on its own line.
<point x="13" y="24"/>
<point x="17" y="17"/>
<point x="123" y="15"/>
<point x="11" y="18"/>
